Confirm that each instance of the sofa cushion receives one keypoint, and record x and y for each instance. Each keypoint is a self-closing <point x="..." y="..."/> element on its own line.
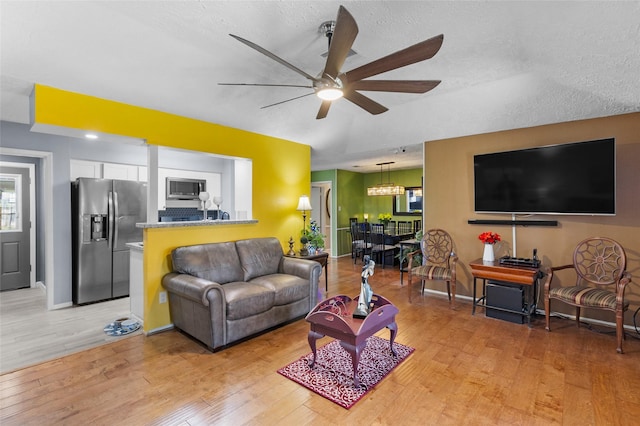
<point x="287" y="288"/>
<point x="259" y="256"/>
<point x="217" y="262"/>
<point x="246" y="299"/>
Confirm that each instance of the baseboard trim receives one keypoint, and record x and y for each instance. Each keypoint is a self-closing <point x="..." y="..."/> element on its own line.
<point x="541" y="312"/>
<point x="159" y="329"/>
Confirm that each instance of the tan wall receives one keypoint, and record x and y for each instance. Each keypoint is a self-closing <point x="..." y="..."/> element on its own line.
<point x="449" y="200"/>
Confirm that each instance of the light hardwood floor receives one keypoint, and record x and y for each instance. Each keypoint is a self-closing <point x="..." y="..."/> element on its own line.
<point x="466" y="370"/>
<point x="30" y="334"/>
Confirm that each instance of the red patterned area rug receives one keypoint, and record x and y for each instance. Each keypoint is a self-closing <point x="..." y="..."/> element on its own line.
<point x="332" y="375"/>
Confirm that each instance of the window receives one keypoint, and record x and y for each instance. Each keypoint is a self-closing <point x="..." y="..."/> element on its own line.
<point x="10" y="202"/>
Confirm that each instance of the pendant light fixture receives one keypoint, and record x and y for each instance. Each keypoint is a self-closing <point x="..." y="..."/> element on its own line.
<point x="385" y="188"/>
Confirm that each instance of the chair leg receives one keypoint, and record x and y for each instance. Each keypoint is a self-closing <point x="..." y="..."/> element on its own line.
<point x="409" y="286"/>
<point x="547" y="313"/>
<point x="578" y="316"/>
<point x="619" y="331"/>
<point x="453" y="294"/>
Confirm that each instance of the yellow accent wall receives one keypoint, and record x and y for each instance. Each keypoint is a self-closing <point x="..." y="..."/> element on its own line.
<point x="448" y="195"/>
<point x="278" y="178"/>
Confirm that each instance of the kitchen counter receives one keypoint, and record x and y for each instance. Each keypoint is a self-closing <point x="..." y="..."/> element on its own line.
<point x="183" y="224"/>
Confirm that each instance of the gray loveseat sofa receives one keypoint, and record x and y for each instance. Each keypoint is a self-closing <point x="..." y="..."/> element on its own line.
<point x="220" y="293"/>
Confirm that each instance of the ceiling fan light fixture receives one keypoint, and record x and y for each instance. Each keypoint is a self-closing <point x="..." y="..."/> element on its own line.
<point x="330" y="94"/>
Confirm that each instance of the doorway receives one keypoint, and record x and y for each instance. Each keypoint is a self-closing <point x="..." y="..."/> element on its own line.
<point x="17" y="226"/>
<point x="321" y="211"/>
<point x="46" y="198"/>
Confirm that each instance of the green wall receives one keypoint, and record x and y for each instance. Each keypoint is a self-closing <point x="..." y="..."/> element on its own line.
<point x="350" y="199"/>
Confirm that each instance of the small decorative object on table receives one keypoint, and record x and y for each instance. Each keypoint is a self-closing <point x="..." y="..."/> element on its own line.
<point x="204" y="198"/>
<point x="304" y="248"/>
<point x="291" y="252"/>
<point x="364" y="301"/>
<point x="217" y="200"/>
<point x="489" y="239"/>
<point x="385" y="218"/>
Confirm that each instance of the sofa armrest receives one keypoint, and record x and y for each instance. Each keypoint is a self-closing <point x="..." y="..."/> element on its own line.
<point x="193" y="288"/>
<point x="304" y="268"/>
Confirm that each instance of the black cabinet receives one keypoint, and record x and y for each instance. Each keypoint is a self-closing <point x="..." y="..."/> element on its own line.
<point x="504" y="297"/>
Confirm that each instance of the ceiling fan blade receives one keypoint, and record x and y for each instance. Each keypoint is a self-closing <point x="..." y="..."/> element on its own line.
<point x="274" y="57"/>
<point x="287" y="100"/>
<point x="416" y="53"/>
<point x="364" y="102"/>
<point x="265" y="85"/>
<point x="342" y="39"/>
<point x="404" y="86"/>
<point x="324" y="109"/>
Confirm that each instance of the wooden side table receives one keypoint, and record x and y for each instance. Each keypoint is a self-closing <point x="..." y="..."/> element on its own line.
<point x="322" y="259"/>
<point x="525" y="277"/>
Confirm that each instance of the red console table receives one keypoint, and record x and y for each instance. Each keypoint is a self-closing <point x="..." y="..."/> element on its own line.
<point x="334" y="318"/>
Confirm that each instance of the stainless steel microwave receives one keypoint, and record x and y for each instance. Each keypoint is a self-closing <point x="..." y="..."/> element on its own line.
<point x="185" y="189"/>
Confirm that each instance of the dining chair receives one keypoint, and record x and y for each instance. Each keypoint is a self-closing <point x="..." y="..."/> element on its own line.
<point x="379" y="248"/>
<point x="360" y="240"/>
<point x="405" y="229"/>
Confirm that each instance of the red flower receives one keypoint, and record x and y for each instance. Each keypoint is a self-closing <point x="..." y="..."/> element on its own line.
<point x="489" y="237"/>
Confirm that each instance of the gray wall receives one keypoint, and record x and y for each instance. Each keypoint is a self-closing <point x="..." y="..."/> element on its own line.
<point x="19" y="136"/>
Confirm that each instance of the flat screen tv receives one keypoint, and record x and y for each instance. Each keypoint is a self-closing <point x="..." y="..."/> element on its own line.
<point x="573" y="178"/>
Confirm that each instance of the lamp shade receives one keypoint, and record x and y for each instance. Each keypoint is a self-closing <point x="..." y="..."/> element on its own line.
<point x="303" y="203"/>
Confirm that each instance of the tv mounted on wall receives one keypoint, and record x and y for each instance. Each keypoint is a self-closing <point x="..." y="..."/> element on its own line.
<point x="573" y="178"/>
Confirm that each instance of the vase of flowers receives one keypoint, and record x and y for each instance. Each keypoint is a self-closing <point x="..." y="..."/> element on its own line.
<point x="314" y="238"/>
<point x="385" y="218"/>
<point x="489" y="239"/>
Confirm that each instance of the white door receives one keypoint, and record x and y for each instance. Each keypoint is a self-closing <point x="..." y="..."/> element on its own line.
<point x="15" y="228"/>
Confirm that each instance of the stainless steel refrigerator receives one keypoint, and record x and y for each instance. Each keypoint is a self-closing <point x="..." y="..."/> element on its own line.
<point x="104" y="217"/>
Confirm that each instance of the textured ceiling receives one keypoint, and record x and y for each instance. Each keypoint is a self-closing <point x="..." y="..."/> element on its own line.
<point x="503" y="65"/>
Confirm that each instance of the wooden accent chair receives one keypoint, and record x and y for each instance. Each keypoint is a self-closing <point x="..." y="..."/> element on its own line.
<point x="438" y="262"/>
<point x="600" y="266"/>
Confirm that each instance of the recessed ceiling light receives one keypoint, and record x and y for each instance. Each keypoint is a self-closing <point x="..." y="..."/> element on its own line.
<point x="91" y="136"/>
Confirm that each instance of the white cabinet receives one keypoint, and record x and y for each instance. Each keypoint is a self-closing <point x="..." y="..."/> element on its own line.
<point x="142" y="173"/>
<point x="100" y="170"/>
<point x="119" y="171"/>
<point x="88" y="169"/>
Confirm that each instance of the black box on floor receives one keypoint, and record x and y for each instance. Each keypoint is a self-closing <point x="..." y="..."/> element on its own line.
<point x="505" y="296"/>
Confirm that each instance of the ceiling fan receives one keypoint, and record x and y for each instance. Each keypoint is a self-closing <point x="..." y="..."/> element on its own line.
<point x="332" y="83"/>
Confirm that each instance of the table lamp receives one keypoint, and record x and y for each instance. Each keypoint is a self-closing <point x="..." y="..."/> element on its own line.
<point x="303" y="206"/>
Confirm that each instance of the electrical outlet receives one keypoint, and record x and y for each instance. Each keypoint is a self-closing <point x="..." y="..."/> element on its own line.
<point x="163" y="297"/>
